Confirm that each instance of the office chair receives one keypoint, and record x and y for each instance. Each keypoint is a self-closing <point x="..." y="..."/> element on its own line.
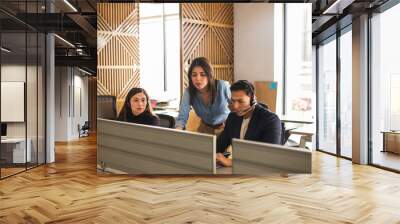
<point x="264" y="105"/>
<point x="84" y="130"/>
<point x="106" y="107"/>
<point x="166" y="121"/>
<point x="285" y="133"/>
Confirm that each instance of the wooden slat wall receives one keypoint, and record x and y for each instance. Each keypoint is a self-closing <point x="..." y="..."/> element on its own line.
<point x="92" y="89"/>
<point x="118" y="66"/>
<point x="207" y="30"/>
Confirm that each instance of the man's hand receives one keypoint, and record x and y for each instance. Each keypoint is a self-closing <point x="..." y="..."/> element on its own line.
<point x="223" y="160"/>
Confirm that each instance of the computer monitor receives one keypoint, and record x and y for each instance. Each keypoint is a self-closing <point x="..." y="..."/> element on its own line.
<point x="3" y="129"/>
<point x="258" y="158"/>
<point x="130" y="148"/>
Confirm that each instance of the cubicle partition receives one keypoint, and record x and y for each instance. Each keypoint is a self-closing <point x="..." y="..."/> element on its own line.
<point x="257" y="158"/>
<point x="139" y="149"/>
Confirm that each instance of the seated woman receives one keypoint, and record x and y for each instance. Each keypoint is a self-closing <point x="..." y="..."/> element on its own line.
<point x="208" y="97"/>
<point x="248" y="120"/>
<point x="137" y="108"/>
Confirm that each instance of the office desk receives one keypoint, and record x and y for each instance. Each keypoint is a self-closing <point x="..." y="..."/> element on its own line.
<point x="172" y="113"/>
<point x="391" y="141"/>
<point x="305" y="133"/>
<point x="287" y="119"/>
<point x="298" y="128"/>
<point x="13" y="150"/>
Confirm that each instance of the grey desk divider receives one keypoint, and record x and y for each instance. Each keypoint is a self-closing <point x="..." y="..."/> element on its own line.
<point x="257" y="158"/>
<point x="129" y="148"/>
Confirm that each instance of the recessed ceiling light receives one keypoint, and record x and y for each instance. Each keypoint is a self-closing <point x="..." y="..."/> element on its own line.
<point x="338" y="6"/>
<point x="70" y="5"/>
<point x="64" y="40"/>
<point x="86" y="72"/>
<point x="5" y="50"/>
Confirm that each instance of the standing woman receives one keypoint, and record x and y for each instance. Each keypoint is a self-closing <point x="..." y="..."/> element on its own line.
<point x="137" y="108"/>
<point x="208" y="97"/>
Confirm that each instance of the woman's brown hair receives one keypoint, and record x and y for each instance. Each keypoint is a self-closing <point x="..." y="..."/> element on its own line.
<point x="126" y="111"/>
<point x="212" y="84"/>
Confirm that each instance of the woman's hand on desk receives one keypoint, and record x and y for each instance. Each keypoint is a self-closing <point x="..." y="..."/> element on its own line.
<point x="223" y="160"/>
<point x="178" y="128"/>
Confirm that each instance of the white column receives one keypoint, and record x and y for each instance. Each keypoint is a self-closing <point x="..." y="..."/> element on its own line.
<point x="254" y="41"/>
<point x="360" y="90"/>
<point x="50" y="100"/>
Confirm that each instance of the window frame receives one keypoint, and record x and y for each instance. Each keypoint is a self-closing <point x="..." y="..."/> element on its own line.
<point x="380" y="9"/>
<point x="164" y="44"/>
<point x="334" y="37"/>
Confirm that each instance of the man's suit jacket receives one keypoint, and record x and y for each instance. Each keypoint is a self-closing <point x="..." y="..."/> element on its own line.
<point x="264" y="126"/>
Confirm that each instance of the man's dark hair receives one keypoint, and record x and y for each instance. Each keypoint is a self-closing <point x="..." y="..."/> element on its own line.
<point x="245" y="86"/>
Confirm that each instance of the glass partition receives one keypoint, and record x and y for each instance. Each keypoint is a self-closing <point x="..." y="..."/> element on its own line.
<point x="346" y="94"/>
<point x="327" y="96"/>
<point x="385" y="89"/>
<point x="22" y="67"/>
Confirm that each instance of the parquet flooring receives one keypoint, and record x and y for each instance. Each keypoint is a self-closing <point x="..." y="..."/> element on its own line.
<point x="10" y="171"/>
<point x="70" y="191"/>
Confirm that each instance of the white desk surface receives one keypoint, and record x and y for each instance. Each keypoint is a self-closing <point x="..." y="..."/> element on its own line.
<point x="291" y="119"/>
<point x="172" y="113"/>
<point x="302" y="131"/>
<point x="13" y="140"/>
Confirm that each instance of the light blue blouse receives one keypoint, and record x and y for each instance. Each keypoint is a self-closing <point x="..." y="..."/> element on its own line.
<point x="210" y="114"/>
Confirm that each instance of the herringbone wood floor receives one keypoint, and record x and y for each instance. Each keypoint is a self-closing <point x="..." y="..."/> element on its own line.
<point x="70" y="191"/>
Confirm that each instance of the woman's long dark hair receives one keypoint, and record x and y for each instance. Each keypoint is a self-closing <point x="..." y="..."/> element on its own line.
<point x="212" y="84"/>
<point x="126" y="111"/>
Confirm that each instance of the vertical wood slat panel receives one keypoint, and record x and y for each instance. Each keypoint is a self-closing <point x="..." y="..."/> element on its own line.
<point x="92" y="93"/>
<point x="208" y="31"/>
<point x="215" y="42"/>
<point x="118" y="49"/>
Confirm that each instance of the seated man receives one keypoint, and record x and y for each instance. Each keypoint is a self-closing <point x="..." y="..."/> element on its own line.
<point x="248" y="120"/>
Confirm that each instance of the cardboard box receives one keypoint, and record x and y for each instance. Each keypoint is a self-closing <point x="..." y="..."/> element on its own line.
<point x="266" y="92"/>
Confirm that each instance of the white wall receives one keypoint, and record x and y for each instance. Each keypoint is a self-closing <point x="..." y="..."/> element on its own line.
<point x="33" y="127"/>
<point x="79" y="117"/>
<point x="254" y="41"/>
<point x="12" y="73"/>
<point x="16" y="73"/>
<point x="62" y="81"/>
<point x="278" y="54"/>
<point x="69" y="85"/>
